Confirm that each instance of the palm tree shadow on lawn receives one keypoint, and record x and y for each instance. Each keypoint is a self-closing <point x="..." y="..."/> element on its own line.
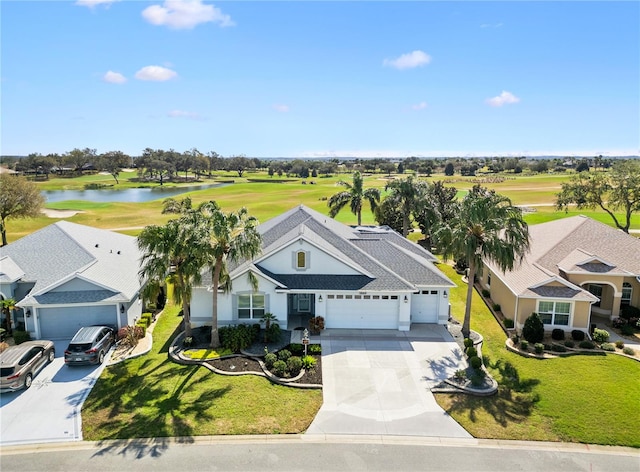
<point x="511" y="404"/>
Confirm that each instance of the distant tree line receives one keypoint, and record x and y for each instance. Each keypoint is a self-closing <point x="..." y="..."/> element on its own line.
<point x="167" y="165"/>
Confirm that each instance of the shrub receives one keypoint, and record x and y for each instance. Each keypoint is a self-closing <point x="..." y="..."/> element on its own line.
<point x="524" y="345"/>
<point x="284" y="354"/>
<point x="460" y="374"/>
<point x="586" y="345"/>
<point x="274" y="333"/>
<point x="475" y="362"/>
<point x="477" y="378"/>
<point x="496" y="307"/>
<point x="608" y="347"/>
<point x="619" y="344"/>
<point x="236" y="338"/>
<point x="296" y="348"/>
<point x="577" y="335"/>
<point x="508" y="323"/>
<point x="629" y="311"/>
<point x="20" y="337"/>
<point x="539" y="348"/>
<point x="308" y="362"/>
<point x="626" y="330"/>
<point x="270" y="359"/>
<point x="316" y="324"/>
<point x="618" y="322"/>
<point x="188" y="341"/>
<point x="3" y="346"/>
<point x="558" y="348"/>
<point x="628" y="351"/>
<point x="146" y="316"/>
<point x="557" y="334"/>
<point x="294" y="365"/>
<point x="533" y="330"/>
<point x="142" y="323"/>
<point x="472" y="352"/>
<point x="314" y="349"/>
<point x="279" y="368"/>
<point x="600" y="335"/>
<point x="468" y="343"/>
<point x="569" y="343"/>
<point x="486" y="293"/>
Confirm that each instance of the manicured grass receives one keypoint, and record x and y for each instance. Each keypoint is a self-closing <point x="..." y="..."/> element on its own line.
<point x="588" y="399"/>
<point x="206" y="353"/>
<point x="153" y="397"/>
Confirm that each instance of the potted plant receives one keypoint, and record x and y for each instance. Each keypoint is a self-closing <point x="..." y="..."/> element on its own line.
<point x="316" y="324"/>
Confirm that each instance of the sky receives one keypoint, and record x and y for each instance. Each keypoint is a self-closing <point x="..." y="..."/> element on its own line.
<point x="321" y="79"/>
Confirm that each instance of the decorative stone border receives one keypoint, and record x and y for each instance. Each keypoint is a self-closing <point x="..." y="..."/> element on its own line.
<point x="175" y="354"/>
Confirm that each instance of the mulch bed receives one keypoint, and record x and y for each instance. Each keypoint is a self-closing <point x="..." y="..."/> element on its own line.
<point x="247" y="364"/>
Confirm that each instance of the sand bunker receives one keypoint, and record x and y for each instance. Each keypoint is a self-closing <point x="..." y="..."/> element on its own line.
<point x="60" y="213"/>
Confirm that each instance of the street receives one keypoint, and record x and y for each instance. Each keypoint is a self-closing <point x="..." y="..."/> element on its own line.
<point x="334" y="453"/>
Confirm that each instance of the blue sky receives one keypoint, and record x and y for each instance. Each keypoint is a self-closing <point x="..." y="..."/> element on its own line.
<point x="316" y="79"/>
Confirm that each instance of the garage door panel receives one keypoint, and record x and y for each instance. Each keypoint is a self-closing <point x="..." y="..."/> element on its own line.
<point x="424" y="306"/>
<point x="362" y="314"/>
<point x="64" y="322"/>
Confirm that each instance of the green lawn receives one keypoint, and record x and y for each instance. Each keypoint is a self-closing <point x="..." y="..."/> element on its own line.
<point x="585" y="399"/>
<point x="153" y="397"/>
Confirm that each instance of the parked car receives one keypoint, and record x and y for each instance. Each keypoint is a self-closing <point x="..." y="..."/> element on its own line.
<point x="89" y="345"/>
<point x="21" y="363"/>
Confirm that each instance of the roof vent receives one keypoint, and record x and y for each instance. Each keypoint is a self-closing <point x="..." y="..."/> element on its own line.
<point x="97" y="245"/>
<point x="118" y="252"/>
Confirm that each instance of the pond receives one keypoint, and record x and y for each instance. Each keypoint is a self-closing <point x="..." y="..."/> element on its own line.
<point x="132" y="195"/>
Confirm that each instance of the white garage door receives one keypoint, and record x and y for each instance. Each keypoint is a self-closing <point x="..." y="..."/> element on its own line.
<point x="424" y="306"/>
<point x="362" y="312"/>
<point x="64" y="322"/>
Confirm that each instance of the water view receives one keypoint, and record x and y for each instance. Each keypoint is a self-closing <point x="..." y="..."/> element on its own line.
<point x="135" y="195"/>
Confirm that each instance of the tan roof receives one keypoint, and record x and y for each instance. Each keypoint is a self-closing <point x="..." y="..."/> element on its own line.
<point x="575" y="244"/>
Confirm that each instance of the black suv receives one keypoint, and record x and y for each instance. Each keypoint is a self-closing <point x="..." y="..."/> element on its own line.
<point x="89" y="345"/>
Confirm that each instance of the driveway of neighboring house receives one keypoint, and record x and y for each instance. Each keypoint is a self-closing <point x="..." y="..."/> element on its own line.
<point x="376" y="382"/>
<point x="49" y="410"/>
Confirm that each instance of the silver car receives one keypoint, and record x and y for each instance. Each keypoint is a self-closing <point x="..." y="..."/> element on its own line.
<point x="20" y="364"/>
<point x="89" y="345"/>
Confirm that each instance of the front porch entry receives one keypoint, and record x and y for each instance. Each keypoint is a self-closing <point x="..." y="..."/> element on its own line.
<point x="301" y="307"/>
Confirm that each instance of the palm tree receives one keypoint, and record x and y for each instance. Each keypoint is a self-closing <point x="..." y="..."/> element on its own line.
<point x="231" y="237"/>
<point x="486" y="226"/>
<point x="175" y="250"/>
<point x="407" y="194"/>
<point x="354" y="196"/>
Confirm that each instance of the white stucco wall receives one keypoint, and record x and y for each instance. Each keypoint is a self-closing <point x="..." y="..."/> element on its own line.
<point x="283" y="261"/>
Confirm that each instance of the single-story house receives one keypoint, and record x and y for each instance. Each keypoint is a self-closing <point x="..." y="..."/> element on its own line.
<point x="67" y="275"/>
<point x="577" y="267"/>
<point x="311" y="265"/>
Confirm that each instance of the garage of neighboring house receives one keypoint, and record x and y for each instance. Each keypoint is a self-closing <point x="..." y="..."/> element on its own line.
<point x="64" y="322"/>
<point x="424" y="306"/>
<point x="362" y="311"/>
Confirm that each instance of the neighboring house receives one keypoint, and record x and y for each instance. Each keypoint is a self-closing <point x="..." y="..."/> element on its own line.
<point x="577" y="267"/>
<point x="67" y="275"/>
<point x="312" y="265"/>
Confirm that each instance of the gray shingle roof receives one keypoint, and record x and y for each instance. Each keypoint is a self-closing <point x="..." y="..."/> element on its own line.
<point x="79" y="296"/>
<point x="9" y="270"/>
<point x="319" y="281"/>
<point x="61" y="251"/>
<point x="572" y="244"/>
<point x="373" y="253"/>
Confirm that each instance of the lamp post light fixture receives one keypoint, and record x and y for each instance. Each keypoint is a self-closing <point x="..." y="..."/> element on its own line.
<point x="305" y="340"/>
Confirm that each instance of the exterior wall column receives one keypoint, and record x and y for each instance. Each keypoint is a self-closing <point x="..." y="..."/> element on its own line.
<point x="615" y="308"/>
<point x="404" y="312"/>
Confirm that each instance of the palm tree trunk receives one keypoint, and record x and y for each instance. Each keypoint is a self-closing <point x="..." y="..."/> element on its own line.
<point x="186" y="311"/>
<point x="359" y="217"/>
<point x="215" y="338"/>
<point x="466" y="324"/>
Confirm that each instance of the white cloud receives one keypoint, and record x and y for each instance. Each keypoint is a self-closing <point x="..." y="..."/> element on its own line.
<point x="155" y="73"/>
<point x="94" y="3"/>
<point x="505" y="98"/>
<point x="185" y="14"/>
<point x="114" y="77"/>
<point x="408" y="60"/>
<point x="419" y="106"/>
<point x="281" y="108"/>
<point x="184" y="114"/>
<point x="491" y="25"/>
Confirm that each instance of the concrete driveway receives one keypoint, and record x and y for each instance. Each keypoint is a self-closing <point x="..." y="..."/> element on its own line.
<point x="376" y="382"/>
<point x="49" y="410"/>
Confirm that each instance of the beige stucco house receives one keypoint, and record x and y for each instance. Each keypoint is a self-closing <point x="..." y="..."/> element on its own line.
<point x="577" y="267"/>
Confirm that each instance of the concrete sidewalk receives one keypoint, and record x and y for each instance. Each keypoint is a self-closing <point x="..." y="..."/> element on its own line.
<point x="377" y="382"/>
